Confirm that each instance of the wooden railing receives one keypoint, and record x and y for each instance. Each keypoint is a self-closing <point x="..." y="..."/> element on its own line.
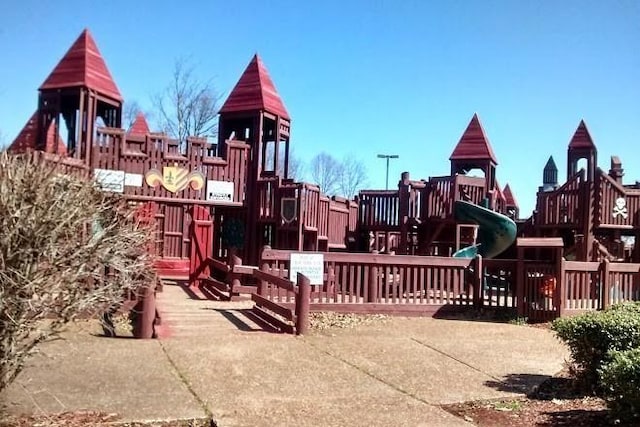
<point x="276" y="295"/>
<point x="378" y="210"/>
<point x="618" y="205"/>
<point x="389" y="283"/>
<point x="561" y="206"/>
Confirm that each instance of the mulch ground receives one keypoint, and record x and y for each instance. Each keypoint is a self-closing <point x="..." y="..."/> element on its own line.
<point x="559" y="401"/>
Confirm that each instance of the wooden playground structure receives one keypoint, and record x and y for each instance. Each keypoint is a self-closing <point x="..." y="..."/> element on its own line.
<point x="229" y="217"/>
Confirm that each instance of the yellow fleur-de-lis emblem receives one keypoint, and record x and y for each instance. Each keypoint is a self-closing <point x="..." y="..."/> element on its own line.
<point x="174" y="178"/>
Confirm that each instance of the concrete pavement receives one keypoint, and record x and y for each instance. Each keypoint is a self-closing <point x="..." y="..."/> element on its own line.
<point x="213" y="359"/>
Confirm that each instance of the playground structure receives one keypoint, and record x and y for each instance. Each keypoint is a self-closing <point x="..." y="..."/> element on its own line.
<point x="229" y="218"/>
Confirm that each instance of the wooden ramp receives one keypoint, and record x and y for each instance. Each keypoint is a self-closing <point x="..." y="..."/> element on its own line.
<point x="186" y="313"/>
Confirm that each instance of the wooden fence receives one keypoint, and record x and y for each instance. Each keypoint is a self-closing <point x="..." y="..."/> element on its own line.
<point x="549" y="291"/>
<point x="394" y="284"/>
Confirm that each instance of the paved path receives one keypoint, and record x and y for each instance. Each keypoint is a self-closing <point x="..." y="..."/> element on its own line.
<point x="214" y="359"/>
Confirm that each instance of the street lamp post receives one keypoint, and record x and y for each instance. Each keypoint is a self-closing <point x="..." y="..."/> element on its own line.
<point x="387" y="156"/>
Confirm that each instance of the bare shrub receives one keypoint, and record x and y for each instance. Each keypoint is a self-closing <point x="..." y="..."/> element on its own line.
<point x="67" y="250"/>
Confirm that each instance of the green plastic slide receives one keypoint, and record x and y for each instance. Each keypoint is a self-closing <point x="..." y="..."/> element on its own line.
<point x="496" y="232"/>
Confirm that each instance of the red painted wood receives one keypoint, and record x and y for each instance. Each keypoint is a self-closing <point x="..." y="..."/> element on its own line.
<point x="509" y="197"/>
<point x="255" y="91"/>
<point x="581" y="138"/>
<point x="83" y="65"/>
<point x="139" y="127"/>
<point x="201" y="244"/>
<point x="28" y="138"/>
<point x="474" y="144"/>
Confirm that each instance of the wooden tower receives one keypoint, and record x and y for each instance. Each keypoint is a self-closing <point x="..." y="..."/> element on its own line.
<point x="512" y="209"/>
<point x="549" y="176"/>
<point x="581" y="147"/>
<point x="255" y="114"/>
<point x="474" y="152"/>
<point x="79" y="90"/>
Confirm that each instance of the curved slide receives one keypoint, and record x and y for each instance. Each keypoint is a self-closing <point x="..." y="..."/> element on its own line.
<point x="496" y="232"/>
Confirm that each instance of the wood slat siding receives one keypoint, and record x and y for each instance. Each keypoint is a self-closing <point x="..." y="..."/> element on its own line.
<point x="561" y="206"/>
<point x="323" y="217"/>
<point x="133" y="154"/>
<point x="581" y="287"/>
<point x="378" y="210"/>
<point x="610" y="191"/>
<point x="622" y="283"/>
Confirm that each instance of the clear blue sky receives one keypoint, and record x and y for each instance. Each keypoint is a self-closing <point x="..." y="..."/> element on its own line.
<point x="369" y="77"/>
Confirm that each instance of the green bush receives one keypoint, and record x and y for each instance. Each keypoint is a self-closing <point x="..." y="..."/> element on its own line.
<point x="620" y="379"/>
<point x="592" y="336"/>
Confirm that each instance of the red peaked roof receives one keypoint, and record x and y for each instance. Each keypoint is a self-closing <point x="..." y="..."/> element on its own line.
<point x="83" y="65"/>
<point x="139" y="127"/>
<point x="255" y="91"/>
<point x="26" y="139"/>
<point x="499" y="192"/>
<point x="473" y="144"/>
<point x="582" y="138"/>
<point x="508" y="195"/>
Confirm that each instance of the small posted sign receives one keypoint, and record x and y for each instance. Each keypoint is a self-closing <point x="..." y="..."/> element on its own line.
<point x="109" y="180"/>
<point x="309" y="264"/>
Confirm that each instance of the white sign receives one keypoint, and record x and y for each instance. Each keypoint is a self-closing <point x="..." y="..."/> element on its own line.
<point x="220" y="191"/>
<point x="109" y="180"/>
<point x="309" y="264"/>
<point x="133" y="179"/>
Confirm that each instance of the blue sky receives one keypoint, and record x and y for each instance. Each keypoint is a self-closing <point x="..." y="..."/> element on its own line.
<point x="370" y="77"/>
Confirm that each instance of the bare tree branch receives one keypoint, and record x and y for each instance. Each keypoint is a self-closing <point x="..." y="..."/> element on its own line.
<point x="187" y="106"/>
<point x="59" y="239"/>
<point x="325" y="171"/>
<point x="353" y="176"/>
<point x="131" y="111"/>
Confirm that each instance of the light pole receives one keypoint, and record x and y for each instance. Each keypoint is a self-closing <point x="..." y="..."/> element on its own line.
<point x="387" y="156"/>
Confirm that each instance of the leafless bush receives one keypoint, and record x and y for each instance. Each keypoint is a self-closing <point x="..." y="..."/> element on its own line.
<point x="66" y="250"/>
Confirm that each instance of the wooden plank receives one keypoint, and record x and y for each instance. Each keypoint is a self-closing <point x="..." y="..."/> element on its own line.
<point x="218" y="265"/>
<point x="278" y="309"/>
<point x="274" y="280"/>
<point x="273" y="320"/>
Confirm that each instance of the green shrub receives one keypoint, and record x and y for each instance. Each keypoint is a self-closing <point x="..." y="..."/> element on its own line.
<point x="620" y="379"/>
<point x="592" y="336"/>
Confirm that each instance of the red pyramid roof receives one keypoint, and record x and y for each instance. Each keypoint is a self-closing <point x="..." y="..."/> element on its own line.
<point x="582" y="138"/>
<point x="508" y="194"/>
<point x="499" y="192"/>
<point x="26" y="139"/>
<point x="83" y="65"/>
<point x="139" y="127"/>
<point x="473" y="144"/>
<point x="255" y="91"/>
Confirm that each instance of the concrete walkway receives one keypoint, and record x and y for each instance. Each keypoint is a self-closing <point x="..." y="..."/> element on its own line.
<point x="213" y="359"/>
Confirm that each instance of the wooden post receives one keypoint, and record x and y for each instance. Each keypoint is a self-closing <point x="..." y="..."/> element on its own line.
<point x="520" y="282"/>
<point x="404" y="187"/>
<point x="373" y="282"/>
<point x="559" y="291"/>
<point x="605" y="269"/>
<point x="147" y="307"/>
<point x="262" y="285"/>
<point x="478" y="284"/>
<point x="233" y="278"/>
<point x="303" y="300"/>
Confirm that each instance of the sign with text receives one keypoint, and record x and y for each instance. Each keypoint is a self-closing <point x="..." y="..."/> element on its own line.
<point x="219" y="191"/>
<point x="133" y="179"/>
<point x="109" y="180"/>
<point x="309" y="264"/>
